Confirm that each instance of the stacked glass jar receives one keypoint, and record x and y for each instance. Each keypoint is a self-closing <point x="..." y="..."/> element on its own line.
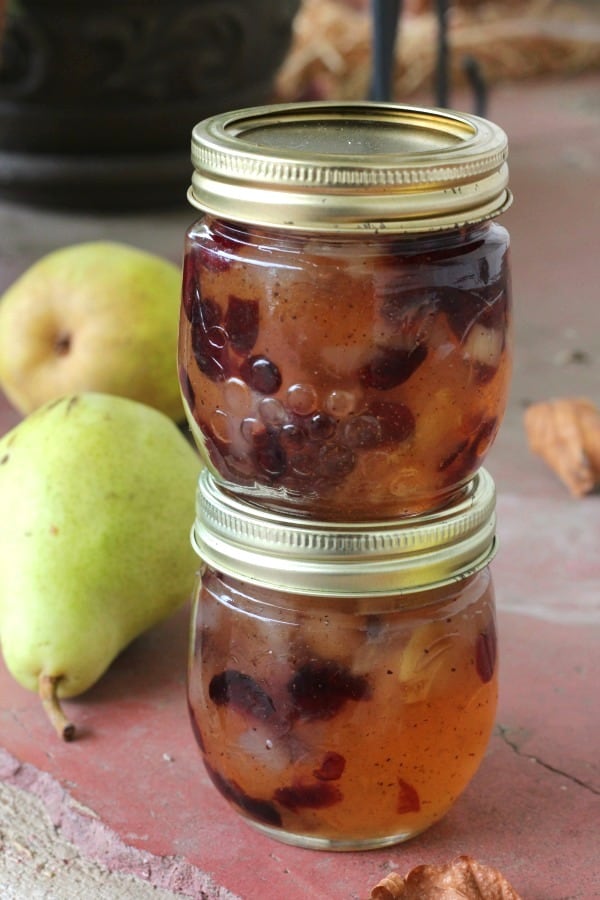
<point x="344" y="358"/>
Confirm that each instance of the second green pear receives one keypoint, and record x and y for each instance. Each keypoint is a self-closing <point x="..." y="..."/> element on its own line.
<point x="97" y="494"/>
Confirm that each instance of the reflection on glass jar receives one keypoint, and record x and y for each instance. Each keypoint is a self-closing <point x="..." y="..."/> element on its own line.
<point x="333" y="710"/>
<point x="376" y="371"/>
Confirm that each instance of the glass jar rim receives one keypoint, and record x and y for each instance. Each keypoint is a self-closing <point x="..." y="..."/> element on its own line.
<point x="305" y="556"/>
<point x="350" y="167"/>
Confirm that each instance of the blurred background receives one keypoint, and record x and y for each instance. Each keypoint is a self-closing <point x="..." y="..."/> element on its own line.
<point x="506" y="40"/>
<point x="97" y="102"/>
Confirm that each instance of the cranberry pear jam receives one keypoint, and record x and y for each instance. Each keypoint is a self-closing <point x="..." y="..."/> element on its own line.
<point x="342" y="682"/>
<point x="345" y="329"/>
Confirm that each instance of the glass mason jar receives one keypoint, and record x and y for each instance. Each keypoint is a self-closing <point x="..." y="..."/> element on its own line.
<point x="345" y="330"/>
<point x="342" y="682"/>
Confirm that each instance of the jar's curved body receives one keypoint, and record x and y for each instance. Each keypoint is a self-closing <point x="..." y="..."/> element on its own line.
<point x="342" y="723"/>
<point x="345" y="377"/>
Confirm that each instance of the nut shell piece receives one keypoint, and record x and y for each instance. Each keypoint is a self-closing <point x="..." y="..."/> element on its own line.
<point x="565" y="433"/>
<point x="463" y="879"/>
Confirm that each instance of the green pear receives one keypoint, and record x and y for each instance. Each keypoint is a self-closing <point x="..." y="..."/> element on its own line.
<point x="97" y="494"/>
<point x="97" y="316"/>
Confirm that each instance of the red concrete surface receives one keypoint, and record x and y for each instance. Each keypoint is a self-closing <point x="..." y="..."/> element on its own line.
<point x="131" y="792"/>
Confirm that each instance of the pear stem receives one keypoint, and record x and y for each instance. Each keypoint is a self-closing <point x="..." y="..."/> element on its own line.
<point x="47" y="692"/>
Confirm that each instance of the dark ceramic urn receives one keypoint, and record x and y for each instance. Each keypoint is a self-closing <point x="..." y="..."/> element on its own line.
<point x="97" y="101"/>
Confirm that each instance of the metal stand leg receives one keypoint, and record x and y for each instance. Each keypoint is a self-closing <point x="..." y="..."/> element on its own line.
<point x="386" y="15"/>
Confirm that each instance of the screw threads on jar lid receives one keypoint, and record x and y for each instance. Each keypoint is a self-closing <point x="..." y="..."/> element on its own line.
<point x="350" y="167"/>
<point x="345" y="559"/>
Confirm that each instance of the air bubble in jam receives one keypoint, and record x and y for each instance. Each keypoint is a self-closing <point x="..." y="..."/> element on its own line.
<point x="237" y="397"/>
<point x="321" y="426"/>
<point x="251" y="429"/>
<point x="341" y="403"/>
<point x="302" y="399"/>
<point x="272" y="412"/>
<point x="217" y="337"/>
<point x="292" y="435"/>
<point x="261" y="374"/>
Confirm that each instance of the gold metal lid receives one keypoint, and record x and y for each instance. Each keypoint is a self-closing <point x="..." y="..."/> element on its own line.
<point x="350" y="167"/>
<point x="349" y="560"/>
